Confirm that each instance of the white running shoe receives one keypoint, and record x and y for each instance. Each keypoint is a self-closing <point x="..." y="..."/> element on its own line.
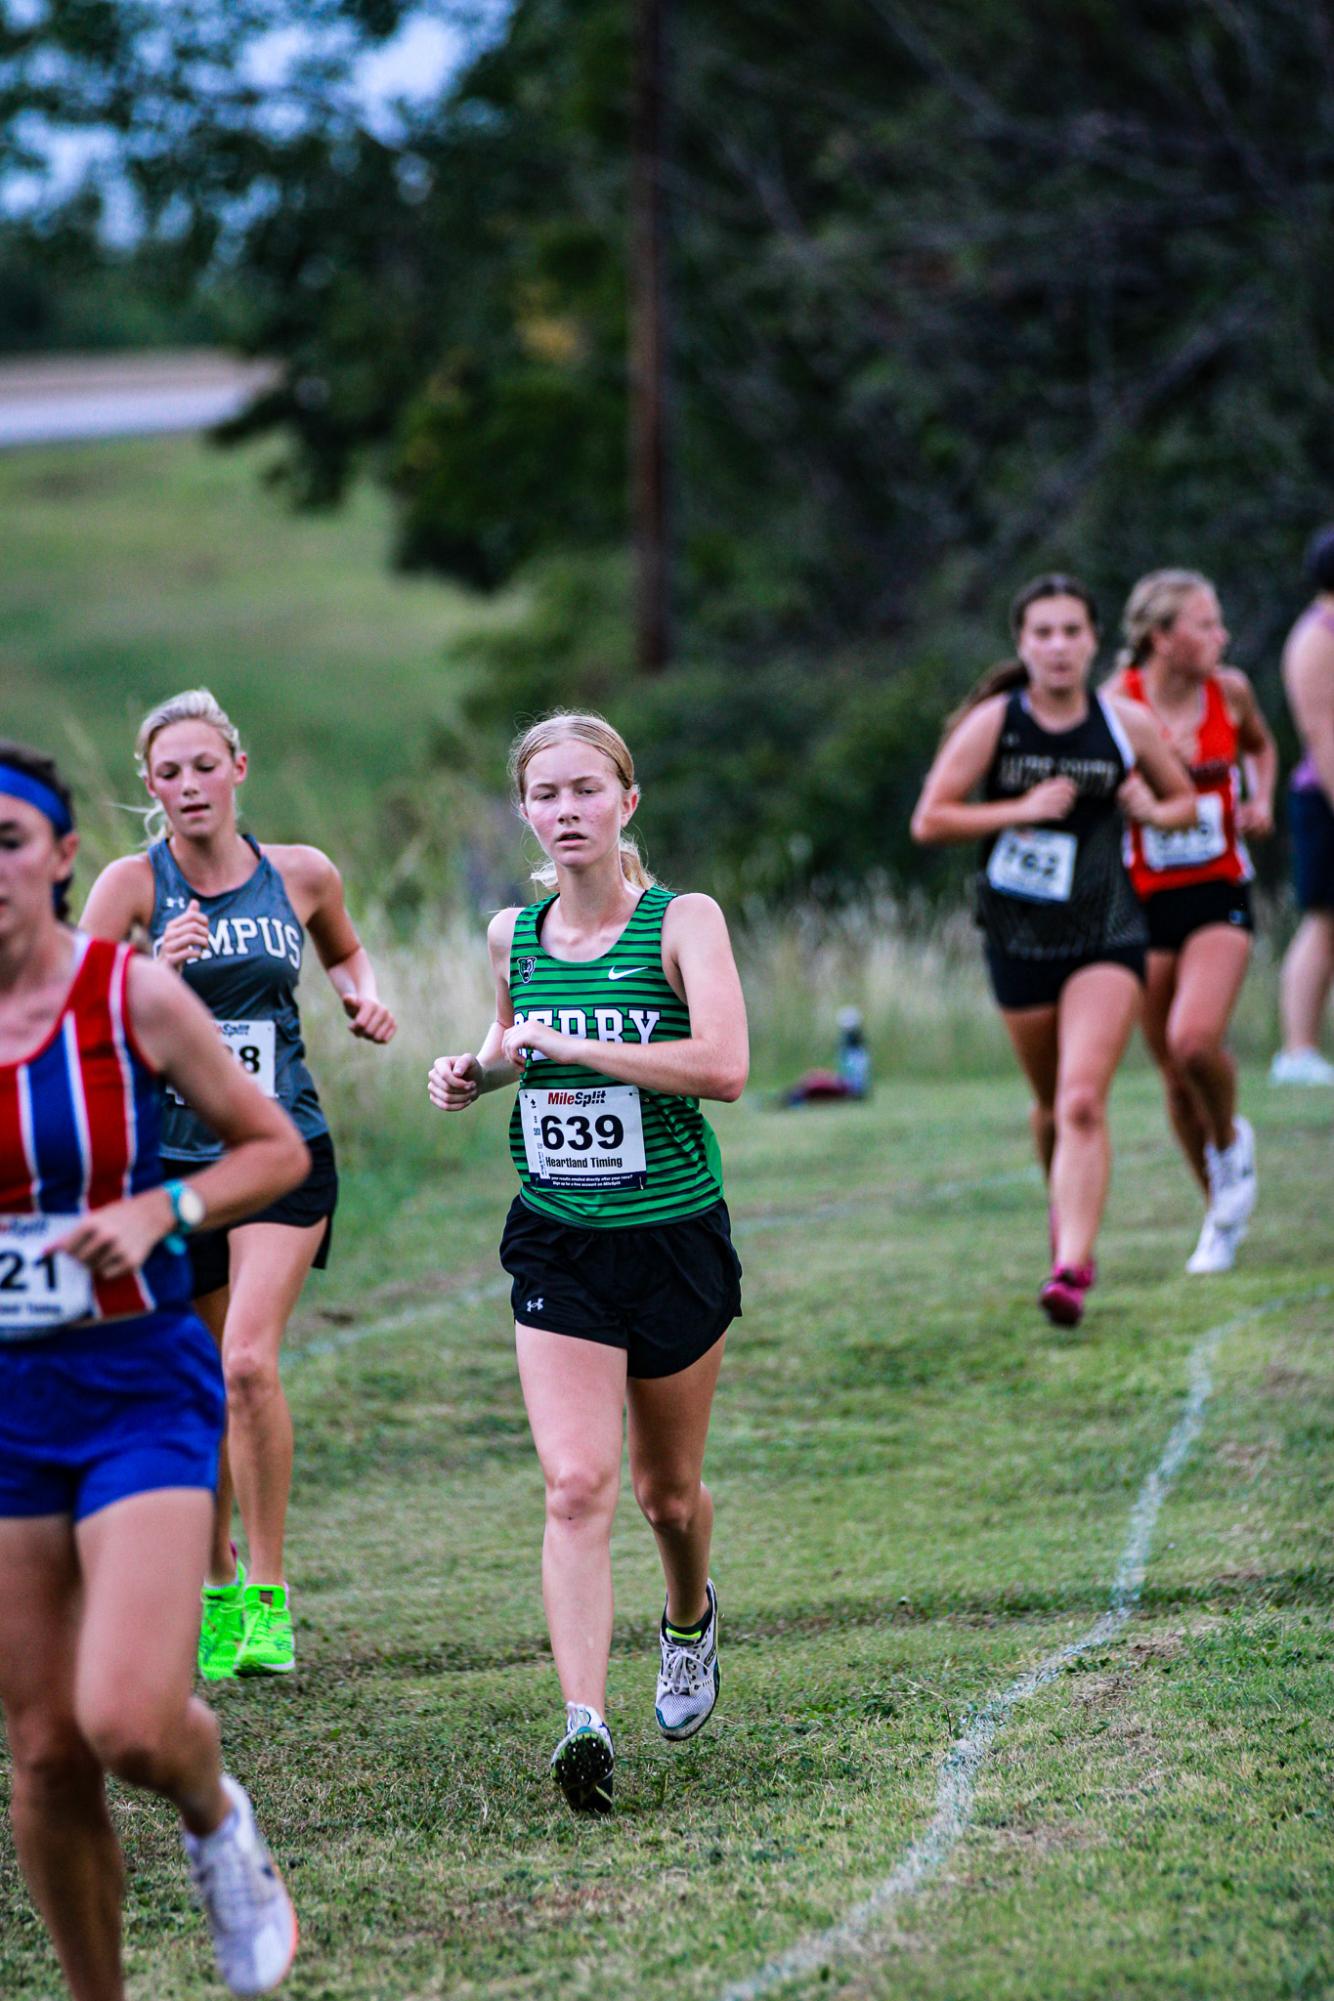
<point x="244" y="1899"/>
<point x="1232" y="1181"/>
<point x="688" y="1678"/>
<point x="1216" y="1250"/>
<point x="582" y="1762"/>
<point x="1301" y="1066"/>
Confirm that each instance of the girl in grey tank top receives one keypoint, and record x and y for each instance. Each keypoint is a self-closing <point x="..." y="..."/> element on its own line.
<point x="246" y="979"/>
<point x="232" y="919"/>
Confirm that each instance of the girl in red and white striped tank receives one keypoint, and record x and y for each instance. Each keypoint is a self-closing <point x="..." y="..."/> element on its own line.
<point x="1195" y="883"/>
<point x="111" y="1406"/>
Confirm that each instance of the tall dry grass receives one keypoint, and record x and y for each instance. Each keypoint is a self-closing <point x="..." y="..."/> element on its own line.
<point x="919" y="980"/>
<point x="915" y="974"/>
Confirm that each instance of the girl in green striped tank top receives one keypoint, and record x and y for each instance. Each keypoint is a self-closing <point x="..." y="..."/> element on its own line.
<point x="618" y="1007"/>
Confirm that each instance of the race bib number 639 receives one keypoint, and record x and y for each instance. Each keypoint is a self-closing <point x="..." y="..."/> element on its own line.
<point x="584" y="1138"/>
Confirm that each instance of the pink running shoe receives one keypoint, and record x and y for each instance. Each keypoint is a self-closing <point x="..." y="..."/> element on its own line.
<point x="1062" y="1297"/>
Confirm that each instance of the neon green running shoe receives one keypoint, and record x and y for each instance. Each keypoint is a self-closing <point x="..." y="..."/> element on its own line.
<point x="222" y="1627"/>
<point x="267" y="1645"/>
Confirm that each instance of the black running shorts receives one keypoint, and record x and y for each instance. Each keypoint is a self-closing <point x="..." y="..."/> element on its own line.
<point x="1311" y="824"/>
<point x="1173" y="915"/>
<point x="315" y="1199"/>
<point x="1020" y="983"/>
<point x="664" y="1292"/>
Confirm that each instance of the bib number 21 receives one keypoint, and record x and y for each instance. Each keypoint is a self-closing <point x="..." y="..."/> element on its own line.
<point x="40" y="1288"/>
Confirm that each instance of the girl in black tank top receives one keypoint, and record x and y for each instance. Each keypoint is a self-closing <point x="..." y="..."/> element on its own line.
<point x="1057" y="768"/>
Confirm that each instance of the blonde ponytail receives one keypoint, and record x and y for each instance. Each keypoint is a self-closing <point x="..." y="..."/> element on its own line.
<point x="1153" y="606"/>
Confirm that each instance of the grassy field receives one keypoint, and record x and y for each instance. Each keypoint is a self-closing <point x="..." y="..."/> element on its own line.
<point x="922" y="1490"/>
<point x="134" y="569"/>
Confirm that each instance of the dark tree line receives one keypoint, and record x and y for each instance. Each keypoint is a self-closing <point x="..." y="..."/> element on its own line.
<point x="959" y="292"/>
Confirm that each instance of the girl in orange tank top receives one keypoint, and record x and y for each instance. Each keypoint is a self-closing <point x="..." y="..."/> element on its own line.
<point x="1195" y="884"/>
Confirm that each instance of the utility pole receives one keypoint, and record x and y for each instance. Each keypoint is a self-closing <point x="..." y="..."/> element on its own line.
<point x="650" y="342"/>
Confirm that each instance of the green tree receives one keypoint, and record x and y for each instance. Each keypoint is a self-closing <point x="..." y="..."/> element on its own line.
<point x="958" y="293"/>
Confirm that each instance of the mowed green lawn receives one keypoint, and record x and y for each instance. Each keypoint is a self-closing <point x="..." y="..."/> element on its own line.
<point x="922" y="1490"/>
<point x="135" y="568"/>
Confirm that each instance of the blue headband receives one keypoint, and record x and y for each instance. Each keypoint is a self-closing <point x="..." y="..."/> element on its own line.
<point x="21" y="785"/>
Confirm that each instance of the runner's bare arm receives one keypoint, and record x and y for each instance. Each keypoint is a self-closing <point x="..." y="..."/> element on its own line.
<point x="1259" y="753"/>
<point x="713" y="1061"/>
<point x="455" y="1082"/>
<point x="265" y="1156"/>
<point x="344" y="958"/>
<point x="1158" y="792"/>
<point x="1308" y="676"/>
<point x="120" y="903"/>
<point x="946" y="813"/>
<point x="120" y="899"/>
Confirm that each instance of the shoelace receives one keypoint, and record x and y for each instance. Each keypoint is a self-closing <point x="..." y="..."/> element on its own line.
<point x="682" y="1669"/>
<point x="231" y="1882"/>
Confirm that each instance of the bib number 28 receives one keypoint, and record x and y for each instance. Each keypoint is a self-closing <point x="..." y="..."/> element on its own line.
<point x="253" y="1046"/>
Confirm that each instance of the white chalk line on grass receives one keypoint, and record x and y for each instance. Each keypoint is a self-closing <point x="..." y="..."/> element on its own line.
<point x="958" y="1773"/>
<point x="397" y="1323"/>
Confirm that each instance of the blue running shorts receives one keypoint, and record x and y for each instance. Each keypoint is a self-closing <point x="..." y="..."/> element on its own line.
<point x="109" y="1409"/>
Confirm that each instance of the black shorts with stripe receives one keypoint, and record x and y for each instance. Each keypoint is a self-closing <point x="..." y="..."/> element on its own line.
<point x="1174" y="915"/>
<point x="664" y="1292"/>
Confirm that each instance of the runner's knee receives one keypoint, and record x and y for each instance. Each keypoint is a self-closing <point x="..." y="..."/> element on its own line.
<point x="53" y="1766"/>
<point x="1081" y="1108"/>
<point x="133" y="1738"/>
<point x="581" y="1494"/>
<point x="1192" y="1049"/>
<point x="667" y="1505"/>
<point x="251" y="1375"/>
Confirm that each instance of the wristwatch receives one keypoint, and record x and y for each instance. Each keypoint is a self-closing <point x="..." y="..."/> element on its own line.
<point x="187" y="1206"/>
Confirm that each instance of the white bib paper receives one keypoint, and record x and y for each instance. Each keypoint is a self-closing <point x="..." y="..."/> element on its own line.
<point x="40" y="1289"/>
<point x="253" y="1044"/>
<point x="1189" y="847"/>
<point x="589" y="1138"/>
<point x="1034" y="862"/>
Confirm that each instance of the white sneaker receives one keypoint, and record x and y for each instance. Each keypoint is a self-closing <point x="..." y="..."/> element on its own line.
<point x="582" y="1762"/>
<point x="1232" y="1180"/>
<point x="688" y="1678"/>
<point x="244" y="1899"/>
<point x="1301" y="1066"/>
<point x="1216" y="1250"/>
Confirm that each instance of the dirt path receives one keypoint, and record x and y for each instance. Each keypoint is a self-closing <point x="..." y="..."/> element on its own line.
<point x="46" y="399"/>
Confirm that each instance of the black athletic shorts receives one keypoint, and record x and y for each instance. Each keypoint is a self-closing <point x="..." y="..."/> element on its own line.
<point x="1019" y="983"/>
<point x="664" y="1292"/>
<point x="1311" y="824"/>
<point x="313" y="1199"/>
<point x="1174" y="914"/>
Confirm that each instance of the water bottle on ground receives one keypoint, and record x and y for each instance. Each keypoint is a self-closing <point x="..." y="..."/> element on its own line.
<point x="854" y="1058"/>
